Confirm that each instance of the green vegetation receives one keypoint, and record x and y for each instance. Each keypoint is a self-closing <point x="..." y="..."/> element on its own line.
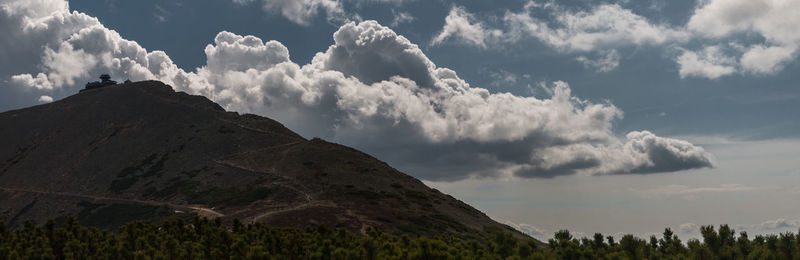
<point x="191" y="190"/>
<point x="204" y="239"/>
<point x="106" y="216"/>
<point x="722" y="244"/>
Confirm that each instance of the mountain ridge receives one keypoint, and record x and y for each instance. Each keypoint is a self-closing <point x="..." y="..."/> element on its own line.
<point x="143" y="151"/>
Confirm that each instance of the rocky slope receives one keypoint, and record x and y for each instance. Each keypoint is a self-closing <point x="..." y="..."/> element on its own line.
<point x="142" y="151"/>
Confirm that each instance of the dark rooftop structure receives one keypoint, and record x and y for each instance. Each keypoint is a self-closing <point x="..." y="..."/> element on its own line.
<point x="105" y="80"/>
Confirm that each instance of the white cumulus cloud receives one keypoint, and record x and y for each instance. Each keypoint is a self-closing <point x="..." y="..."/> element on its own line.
<point x="604" y="29"/>
<point x="710" y="63"/>
<point x="401" y="18"/>
<point x="774" y="20"/>
<point x="606" y="62"/>
<point x="302" y="11"/>
<point x="45" y="99"/>
<point x="462" y="26"/>
<point x="372" y="89"/>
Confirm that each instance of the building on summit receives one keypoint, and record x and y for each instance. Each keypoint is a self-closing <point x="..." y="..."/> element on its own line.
<point x="105" y="80"/>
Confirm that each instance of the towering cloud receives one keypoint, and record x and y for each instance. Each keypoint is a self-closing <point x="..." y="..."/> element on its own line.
<point x="372" y="89"/>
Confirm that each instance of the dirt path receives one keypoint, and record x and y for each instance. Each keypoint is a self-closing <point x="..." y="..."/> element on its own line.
<point x="207" y="211"/>
<point x="226" y="161"/>
<point x="293" y="208"/>
<point x="263" y="131"/>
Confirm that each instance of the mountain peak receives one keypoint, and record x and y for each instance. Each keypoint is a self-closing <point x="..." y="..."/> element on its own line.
<point x="142" y="151"/>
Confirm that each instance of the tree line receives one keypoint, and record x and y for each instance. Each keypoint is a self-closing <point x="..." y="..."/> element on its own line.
<point x="209" y="239"/>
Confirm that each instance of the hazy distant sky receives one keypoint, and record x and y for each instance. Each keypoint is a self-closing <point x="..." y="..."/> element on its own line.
<point x="594" y="116"/>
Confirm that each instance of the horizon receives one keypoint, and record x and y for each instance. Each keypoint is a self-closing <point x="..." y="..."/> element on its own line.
<point x="618" y="117"/>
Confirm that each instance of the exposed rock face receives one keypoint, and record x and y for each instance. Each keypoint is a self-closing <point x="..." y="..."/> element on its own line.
<point x="141" y="150"/>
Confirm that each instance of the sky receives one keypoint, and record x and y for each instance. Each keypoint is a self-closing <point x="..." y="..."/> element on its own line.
<point x="609" y="116"/>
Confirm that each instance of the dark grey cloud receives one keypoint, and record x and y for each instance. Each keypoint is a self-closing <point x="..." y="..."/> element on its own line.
<point x="566" y="168"/>
<point x="667" y="155"/>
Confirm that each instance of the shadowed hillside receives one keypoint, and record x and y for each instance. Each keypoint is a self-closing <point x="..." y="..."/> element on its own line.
<point x="142" y="151"/>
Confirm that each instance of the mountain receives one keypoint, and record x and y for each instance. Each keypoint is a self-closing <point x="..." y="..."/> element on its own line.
<point x="143" y="151"/>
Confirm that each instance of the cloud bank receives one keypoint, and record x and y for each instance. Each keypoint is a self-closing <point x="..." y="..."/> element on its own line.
<point x="774" y="226"/>
<point x="690" y="193"/>
<point x="372" y="89"/>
